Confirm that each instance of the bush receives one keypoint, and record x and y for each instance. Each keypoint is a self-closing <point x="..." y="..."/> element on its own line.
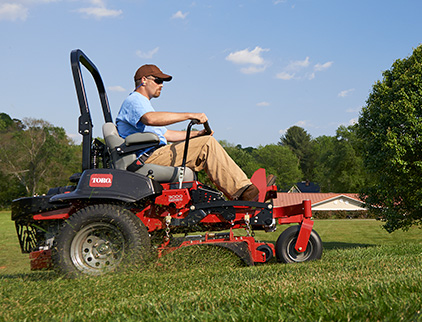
<point x="343" y="214"/>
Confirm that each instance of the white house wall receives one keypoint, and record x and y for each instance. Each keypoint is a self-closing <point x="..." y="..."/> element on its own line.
<point x="341" y="203"/>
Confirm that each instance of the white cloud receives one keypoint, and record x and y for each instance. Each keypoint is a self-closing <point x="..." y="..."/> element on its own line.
<point x="294" y="67"/>
<point x="179" y="15"/>
<point x="345" y="92"/>
<point x="148" y="54"/>
<point x="263" y="104"/>
<point x="285" y="76"/>
<point x="116" y="88"/>
<point x="13" y="12"/>
<point x="98" y="3"/>
<point x="300" y="69"/>
<point x="253" y="58"/>
<point x="246" y="56"/>
<point x="310" y="76"/>
<point x="99" y="10"/>
<point x="253" y="69"/>
<point x="320" y="67"/>
<point x="298" y="64"/>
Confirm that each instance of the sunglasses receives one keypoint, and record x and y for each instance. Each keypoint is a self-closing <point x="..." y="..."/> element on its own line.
<point x="157" y="80"/>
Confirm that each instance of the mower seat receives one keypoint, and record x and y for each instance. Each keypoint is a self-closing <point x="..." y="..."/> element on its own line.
<point x="123" y="154"/>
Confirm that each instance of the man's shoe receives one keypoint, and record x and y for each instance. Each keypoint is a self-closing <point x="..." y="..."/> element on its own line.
<point x="250" y="194"/>
<point x="271" y="180"/>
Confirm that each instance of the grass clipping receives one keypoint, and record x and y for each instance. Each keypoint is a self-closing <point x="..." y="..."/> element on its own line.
<point x="201" y="257"/>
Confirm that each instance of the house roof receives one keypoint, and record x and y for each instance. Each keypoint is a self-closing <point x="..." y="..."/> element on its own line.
<point x="321" y="201"/>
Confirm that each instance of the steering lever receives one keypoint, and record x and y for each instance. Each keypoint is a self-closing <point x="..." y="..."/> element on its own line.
<point x="208" y="131"/>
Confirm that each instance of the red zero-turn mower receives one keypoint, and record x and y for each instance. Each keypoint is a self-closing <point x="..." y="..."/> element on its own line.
<point x="121" y="211"/>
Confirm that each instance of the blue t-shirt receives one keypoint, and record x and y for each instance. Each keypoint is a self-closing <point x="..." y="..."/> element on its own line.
<point x="128" y="120"/>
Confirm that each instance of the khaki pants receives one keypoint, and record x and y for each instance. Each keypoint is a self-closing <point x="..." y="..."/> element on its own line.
<point x="205" y="153"/>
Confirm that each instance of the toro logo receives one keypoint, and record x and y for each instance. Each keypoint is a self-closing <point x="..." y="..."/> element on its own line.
<point x="101" y="180"/>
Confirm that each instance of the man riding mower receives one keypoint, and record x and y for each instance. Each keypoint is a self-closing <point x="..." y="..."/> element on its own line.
<point x="122" y="209"/>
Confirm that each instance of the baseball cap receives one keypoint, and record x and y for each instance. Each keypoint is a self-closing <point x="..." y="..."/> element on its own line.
<point x="151" y="70"/>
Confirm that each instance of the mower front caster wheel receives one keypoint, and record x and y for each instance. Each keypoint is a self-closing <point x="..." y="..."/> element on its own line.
<point x="285" y="247"/>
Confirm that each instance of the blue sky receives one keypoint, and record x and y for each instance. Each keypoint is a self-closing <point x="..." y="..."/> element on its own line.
<point x="255" y="67"/>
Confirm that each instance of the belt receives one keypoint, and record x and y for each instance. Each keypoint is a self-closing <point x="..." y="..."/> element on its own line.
<point x="146" y="155"/>
<point x="139" y="162"/>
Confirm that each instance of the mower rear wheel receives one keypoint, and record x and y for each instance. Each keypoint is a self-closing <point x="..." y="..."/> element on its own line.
<point x="99" y="239"/>
<point x="285" y="247"/>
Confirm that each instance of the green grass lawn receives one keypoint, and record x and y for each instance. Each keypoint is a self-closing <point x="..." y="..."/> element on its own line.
<point x="365" y="274"/>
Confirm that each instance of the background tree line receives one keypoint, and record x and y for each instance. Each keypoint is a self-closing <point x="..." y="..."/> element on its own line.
<point x="334" y="162"/>
<point x="34" y="156"/>
<point x="379" y="157"/>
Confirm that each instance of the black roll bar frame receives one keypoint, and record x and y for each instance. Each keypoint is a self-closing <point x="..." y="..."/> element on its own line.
<point x="77" y="57"/>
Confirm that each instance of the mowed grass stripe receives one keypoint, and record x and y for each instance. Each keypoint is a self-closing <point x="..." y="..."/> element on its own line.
<point x="360" y="277"/>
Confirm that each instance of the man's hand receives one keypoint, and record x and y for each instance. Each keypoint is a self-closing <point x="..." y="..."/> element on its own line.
<point x="201" y="133"/>
<point x="201" y="117"/>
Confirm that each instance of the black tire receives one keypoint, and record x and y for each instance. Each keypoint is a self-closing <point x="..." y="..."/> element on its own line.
<point x="268" y="252"/>
<point x="285" y="247"/>
<point x="99" y="239"/>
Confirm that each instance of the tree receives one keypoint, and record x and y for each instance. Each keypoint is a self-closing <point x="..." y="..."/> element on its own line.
<point x="300" y="142"/>
<point x="338" y="165"/>
<point x="10" y="189"/>
<point x="390" y="129"/>
<point x="281" y="162"/>
<point x="38" y="155"/>
<point x="243" y="157"/>
<point x="9" y="124"/>
<point x="5" y="122"/>
<point x="275" y="159"/>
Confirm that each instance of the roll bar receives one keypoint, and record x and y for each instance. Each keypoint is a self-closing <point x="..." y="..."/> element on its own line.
<point x="77" y="57"/>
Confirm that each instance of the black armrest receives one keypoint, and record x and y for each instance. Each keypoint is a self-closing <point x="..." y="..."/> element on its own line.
<point x="124" y="149"/>
<point x="141" y="138"/>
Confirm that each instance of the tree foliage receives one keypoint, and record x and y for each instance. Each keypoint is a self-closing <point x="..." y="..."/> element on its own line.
<point x="300" y="142"/>
<point x="36" y="155"/>
<point x="6" y="122"/>
<point x="281" y="162"/>
<point x="277" y="160"/>
<point x="390" y="129"/>
<point x="338" y="164"/>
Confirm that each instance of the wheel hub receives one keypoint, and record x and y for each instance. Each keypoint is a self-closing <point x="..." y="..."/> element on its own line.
<point x="97" y="247"/>
<point x="103" y="248"/>
<point x="298" y="256"/>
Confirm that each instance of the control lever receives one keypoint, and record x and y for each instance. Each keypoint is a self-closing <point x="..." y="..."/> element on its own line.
<point x="208" y="131"/>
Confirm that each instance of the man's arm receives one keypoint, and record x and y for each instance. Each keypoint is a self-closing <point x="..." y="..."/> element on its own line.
<point x="168" y="118"/>
<point x="176" y="136"/>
